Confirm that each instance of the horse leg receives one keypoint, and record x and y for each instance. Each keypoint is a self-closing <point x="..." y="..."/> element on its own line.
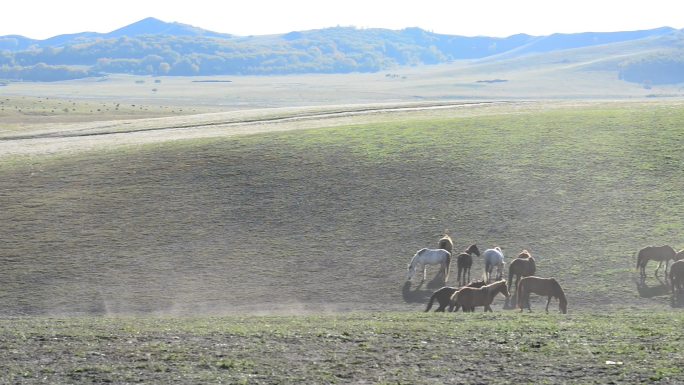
<point x="666" y="262"/>
<point x="488" y="308"/>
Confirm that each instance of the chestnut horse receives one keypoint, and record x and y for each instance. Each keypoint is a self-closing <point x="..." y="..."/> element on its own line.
<point x="443" y="296"/>
<point x="522" y="266"/>
<point x="464" y="262"/>
<point x="659" y="254"/>
<point x="469" y="297"/>
<point x="546" y="287"/>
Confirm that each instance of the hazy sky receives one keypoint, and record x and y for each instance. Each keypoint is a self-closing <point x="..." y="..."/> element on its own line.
<point x="40" y="19"/>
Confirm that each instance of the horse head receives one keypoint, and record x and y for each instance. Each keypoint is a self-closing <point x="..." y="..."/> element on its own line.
<point x="411" y="271"/>
<point x="503" y="288"/>
<point x="411" y="267"/>
<point x="472" y="249"/>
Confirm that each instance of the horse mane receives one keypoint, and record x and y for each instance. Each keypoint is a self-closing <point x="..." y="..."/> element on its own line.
<point x="560" y="294"/>
<point x="524" y="254"/>
<point x="557" y="289"/>
<point x="419" y="252"/>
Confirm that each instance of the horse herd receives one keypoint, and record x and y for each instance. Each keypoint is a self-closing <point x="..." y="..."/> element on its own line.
<point x="663" y="254"/>
<point x="522" y="269"/>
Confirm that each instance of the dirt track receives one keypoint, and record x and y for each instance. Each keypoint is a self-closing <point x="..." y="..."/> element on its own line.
<point x="91" y="135"/>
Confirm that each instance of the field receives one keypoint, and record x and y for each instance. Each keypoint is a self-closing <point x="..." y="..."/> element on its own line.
<point x="380" y="348"/>
<point x="269" y="245"/>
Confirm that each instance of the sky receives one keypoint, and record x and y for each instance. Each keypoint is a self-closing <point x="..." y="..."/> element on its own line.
<point x="40" y="19"/>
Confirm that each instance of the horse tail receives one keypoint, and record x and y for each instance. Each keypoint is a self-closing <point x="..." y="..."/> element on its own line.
<point x="448" y="267"/>
<point x="432" y="299"/>
<point x="510" y="275"/>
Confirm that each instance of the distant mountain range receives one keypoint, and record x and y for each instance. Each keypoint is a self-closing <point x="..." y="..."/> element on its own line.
<point x="148" y="26"/>
<point x="154" y="47"/>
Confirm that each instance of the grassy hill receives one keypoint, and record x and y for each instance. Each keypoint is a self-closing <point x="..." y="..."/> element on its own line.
<point x="152" y="47"/>
<point x="327" y="218"/>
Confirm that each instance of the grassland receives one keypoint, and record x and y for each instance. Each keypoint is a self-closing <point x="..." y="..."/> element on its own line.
<point x="381" y="348"/>
<point x="226" y="248"/>
<point x="325" y="219"/>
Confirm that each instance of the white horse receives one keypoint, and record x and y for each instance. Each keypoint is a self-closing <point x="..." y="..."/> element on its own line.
<point x="424" y="257"/>
<point x="493" y="257"/>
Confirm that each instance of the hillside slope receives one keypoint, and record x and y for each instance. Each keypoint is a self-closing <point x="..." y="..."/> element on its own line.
<point x="326" y="219"/>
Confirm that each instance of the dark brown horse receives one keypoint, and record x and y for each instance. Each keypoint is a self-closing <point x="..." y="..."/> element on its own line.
<point x="677" y="277"/>
<point x="468" y="297"/>
<point x="546" y="287"/>
<point x="659" y="254"/>
<point x="443" y="296"/>
<point x="522" y="266"/>
<point x="464" y="262"/>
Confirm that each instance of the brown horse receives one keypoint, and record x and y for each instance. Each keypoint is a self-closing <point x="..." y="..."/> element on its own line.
<point x="468" y="297"/>
<point x="657" y="253"/>
<point x="677" y="277"/>
<point x="464" y="262"/>
<point x="522" y="266"/>
<point x="443" y="296"/>
<point x="446" y="243"/>
<point x="547" y="287"/>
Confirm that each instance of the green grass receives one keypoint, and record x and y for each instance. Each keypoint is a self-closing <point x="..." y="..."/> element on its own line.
<point x="621" y="347"/>
<point x="328" y="217"/>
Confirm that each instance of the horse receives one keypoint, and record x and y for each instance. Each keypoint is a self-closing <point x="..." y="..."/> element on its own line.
<point x="548" y="287"/>
<point x="522" y="266"/>
<point x="657" y="253"/>
<point x="524" y="254"/>
<point x="446" y="243"/>
<point x="464" y="261"/>
<point x="677" y="277"/>
<point x="443" y="296"/>
<point x="424" y="257"/>
<point x="493" y="257"/>
<point x="469" y="297"/>
<point x="679" y="255"/>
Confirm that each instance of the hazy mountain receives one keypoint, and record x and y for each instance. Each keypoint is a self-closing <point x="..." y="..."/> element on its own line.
<point x="147" y="26"/>
<point x="154" y="47"/>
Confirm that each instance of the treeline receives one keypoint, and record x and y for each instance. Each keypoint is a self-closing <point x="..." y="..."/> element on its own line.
<point x="44" y="72"/>
<point x="330" y="50"/>
<point x="661" y="68"/>
<point x="338" y="50"/>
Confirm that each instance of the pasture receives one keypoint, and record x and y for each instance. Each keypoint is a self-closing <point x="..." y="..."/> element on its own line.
<point x="592" y="347"/>
<point x="329" y="217"/>
<point x="207" y="254"/>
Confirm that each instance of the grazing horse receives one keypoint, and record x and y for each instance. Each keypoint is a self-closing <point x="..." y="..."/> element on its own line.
<point x="464" y="261"/>
<point x="443" y="296"/>
<point x="522" y="266"/>
<point x="493" y="257"/>
<point x="547" y="287"/>
<point x="657" y="253"/>
<point x="469" y="297"/>
<point x="677" y="277"/>
<point x="446" y="243"/>
<point x="424" y="257"/>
